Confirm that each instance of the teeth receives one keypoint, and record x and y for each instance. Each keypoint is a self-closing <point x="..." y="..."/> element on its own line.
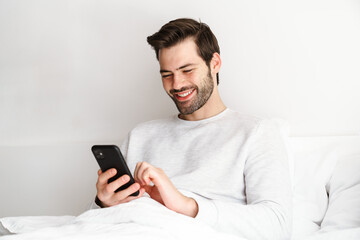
<point x="185" y="94"/>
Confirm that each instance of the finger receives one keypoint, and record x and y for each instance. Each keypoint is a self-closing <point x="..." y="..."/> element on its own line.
<point x="107" y="191"/>
<point x="138" y="166"/>
<point x="121" y="195"/>
<point x="152" y="174"/>
<point x="141" y="192"/>
<point x="145" y="176"/>
<point x="130" y="198"/>
<point x="104" y="177"/>
<point x="99" y="172"/>
<point x="111" y="187"/>
<point x="156" y="176"/>
<point x="141" y="167"/>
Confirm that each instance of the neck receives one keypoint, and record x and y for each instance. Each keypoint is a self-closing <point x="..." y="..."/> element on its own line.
<point x="212" y="107"/>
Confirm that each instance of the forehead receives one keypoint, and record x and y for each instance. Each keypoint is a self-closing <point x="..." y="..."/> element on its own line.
<point x="180" y="54"/>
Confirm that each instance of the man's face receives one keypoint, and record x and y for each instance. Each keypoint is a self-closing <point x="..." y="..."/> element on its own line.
<point x="186" y="77"/>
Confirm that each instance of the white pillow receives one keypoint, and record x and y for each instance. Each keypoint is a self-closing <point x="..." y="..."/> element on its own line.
<point x="344" y="195"/>
<point x="314" y="161"/>
<point x="320" y="165"/>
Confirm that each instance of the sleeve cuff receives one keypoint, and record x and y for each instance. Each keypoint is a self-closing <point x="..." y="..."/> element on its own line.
<point x="207" y="212"/>
<point x="95" y="204"/>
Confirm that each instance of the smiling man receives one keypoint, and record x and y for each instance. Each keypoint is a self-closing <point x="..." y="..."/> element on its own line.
<point x="226" y="169"/>
<point x="188" y="80"/>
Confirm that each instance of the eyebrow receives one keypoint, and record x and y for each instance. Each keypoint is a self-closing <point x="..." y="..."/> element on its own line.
<point x="184" y="66"/>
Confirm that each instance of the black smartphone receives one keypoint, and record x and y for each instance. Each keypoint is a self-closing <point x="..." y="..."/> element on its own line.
<point x="109" y="156"/>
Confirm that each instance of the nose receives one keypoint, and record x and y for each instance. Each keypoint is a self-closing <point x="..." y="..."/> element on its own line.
<point x="178" y="81"/>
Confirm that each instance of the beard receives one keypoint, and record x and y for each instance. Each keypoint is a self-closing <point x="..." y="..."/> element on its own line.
<point x="203" y="93"/>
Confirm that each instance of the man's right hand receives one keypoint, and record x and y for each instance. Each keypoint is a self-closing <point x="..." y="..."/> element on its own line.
<point x="106" y="191"/>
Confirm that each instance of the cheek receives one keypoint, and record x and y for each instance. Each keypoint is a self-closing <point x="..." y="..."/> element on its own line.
<point x="195" y="79"/>
<point x="166" y="85"/>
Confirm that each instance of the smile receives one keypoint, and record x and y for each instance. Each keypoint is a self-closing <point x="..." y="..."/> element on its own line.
<point x="184" y="96"/>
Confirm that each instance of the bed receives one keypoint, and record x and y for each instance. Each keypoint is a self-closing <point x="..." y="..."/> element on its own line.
<point x="326" y="196"/>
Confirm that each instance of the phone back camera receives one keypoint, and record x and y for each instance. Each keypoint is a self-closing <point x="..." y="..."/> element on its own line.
<point x="99" y="154"/>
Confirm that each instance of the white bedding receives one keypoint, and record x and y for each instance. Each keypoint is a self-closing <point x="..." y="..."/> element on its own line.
<point x="140" y="219"/>
<point x="344" y="234"/>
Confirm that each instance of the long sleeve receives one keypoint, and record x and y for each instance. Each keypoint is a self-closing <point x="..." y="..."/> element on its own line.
<point x="268" y="212"/>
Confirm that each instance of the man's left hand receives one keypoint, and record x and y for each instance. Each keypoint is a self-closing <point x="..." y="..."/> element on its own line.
<point x="162" y="189"/>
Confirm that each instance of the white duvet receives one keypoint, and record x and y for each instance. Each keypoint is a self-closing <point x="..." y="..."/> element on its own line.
<point x="341" y="234"/>
<point x="143" y="218"/>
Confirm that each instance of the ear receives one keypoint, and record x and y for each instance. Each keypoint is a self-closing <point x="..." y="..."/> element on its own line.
<point x="215" y="63"/>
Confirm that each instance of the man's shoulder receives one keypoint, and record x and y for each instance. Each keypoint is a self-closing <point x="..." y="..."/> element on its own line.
<point x="260" y="123"/>
<point x="244" y="116"/>
<point x="255" y="122"/>
<point x="244" y="119"/>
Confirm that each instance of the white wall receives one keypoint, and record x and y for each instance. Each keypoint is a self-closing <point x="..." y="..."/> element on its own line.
<point x="75" y="73"/>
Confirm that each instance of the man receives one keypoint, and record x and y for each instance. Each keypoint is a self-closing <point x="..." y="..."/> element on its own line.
<point x="224" y="168"/>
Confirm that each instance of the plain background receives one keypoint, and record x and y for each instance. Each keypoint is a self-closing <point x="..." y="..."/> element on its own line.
<point x="80" y="72"/>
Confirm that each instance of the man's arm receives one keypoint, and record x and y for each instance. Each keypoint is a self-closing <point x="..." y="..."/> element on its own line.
<point x="265" y="220"/>
<point x="157" y="184"/>
<point x="268" y="213"/>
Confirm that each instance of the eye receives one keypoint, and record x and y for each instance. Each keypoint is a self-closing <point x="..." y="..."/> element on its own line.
<point x="188" y="70"/>
<point x="165" y="76"/>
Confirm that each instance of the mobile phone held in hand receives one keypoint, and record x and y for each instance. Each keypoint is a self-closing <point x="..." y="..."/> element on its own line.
<point x="109" y="156"/>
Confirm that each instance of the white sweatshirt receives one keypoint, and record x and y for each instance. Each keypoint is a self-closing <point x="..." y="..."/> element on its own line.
<point x="235" y="166"/>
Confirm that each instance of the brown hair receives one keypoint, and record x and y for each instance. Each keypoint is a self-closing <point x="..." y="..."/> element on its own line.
<point x="180" y="29"/>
